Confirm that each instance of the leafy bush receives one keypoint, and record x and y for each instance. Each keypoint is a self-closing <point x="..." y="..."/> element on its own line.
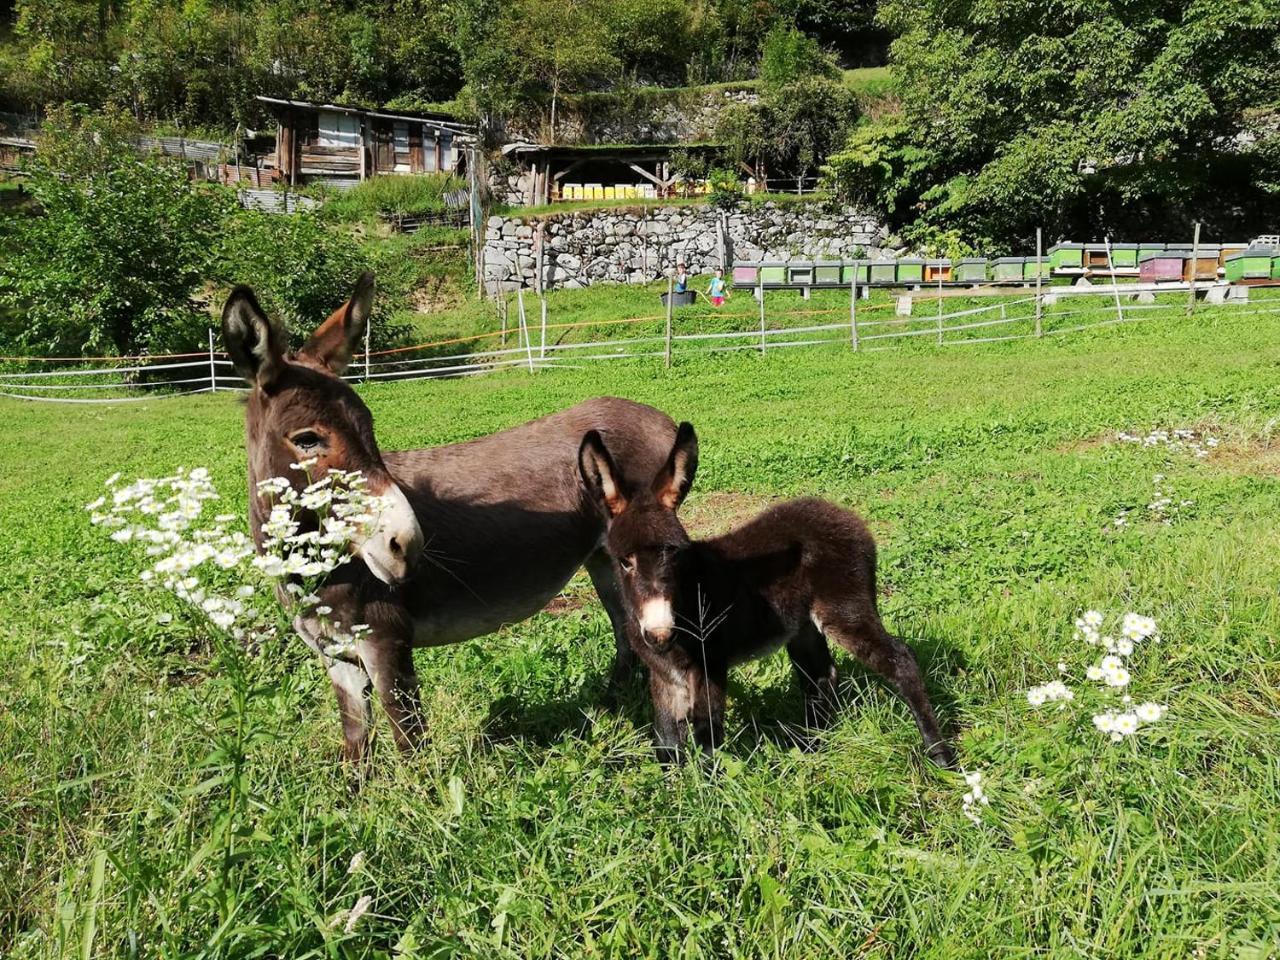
<point x="113" y="261"/>
<point x="726" y="189"/>
<point x="391" y="194"/>
<point x="789" y="55"/>
<point x="302" y="270"/>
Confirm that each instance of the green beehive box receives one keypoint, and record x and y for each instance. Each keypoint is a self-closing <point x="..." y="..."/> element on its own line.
<point x="1007" y="268"/>
<point x="1275" y="268"/>
<point x="1031" y="265"/>
<point x="1252" y="264"/>
<point x="773" y="274"/>
<point x="971" y="270"/>
<point x="910" y="270"/>
<point x="826" y="273"/>
<point x="857" y="271"/>
<point x="1066" y="256"/>
<point x="883" y="271"/>
<point x="800" y="273"/>
<point x="1124" y="256"/>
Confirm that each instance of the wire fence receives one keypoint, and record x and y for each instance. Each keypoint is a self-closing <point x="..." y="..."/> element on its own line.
<point x="525" y="343"/>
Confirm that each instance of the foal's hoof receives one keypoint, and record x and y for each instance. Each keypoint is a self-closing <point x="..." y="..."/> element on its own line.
<point x="942" y="755"/>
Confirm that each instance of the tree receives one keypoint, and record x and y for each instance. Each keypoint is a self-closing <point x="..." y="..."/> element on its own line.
<point x="123" y="242"/>
<point x="1116" y="116"/>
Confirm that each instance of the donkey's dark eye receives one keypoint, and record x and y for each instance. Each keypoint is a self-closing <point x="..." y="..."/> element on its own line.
<point x="628" y="564"/>
<point x="306" y="440"/>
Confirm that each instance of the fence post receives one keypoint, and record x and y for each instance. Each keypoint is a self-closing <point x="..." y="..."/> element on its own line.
<point x="760" y="289"/>
<point x="542" y="351"/>
<point x="1195" y="263"/>
<point x="213" y="376"/>
<point x="1115" y="287"/>
<point x="524" y="326"/>
<point x="670" y="294"/>
<point x="368" y="336"/>
<point x="939" y="304"/>
<point x="1039" y="271"/>
<point x="853" y="308"/>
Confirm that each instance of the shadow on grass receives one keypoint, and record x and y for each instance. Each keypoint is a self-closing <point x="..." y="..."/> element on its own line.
<point x="775" y="714"/>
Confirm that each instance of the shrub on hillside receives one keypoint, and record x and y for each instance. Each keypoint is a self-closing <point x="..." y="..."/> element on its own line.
<point x="118" y="252"/>
<point x="302" y="270"/>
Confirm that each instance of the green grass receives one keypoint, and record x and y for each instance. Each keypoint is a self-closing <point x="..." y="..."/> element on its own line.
<point x="390" y="194"/>
<point x="154" y="801"/>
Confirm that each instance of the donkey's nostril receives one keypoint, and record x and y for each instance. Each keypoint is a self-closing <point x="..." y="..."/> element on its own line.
<point x="395" y="546"/>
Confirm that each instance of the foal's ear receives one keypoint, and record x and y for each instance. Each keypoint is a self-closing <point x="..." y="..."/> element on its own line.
<point x="335" y="340"/>
<point x="599" y="474"/>
<point x="254" y="342"/>
<point x="673" y="481"/>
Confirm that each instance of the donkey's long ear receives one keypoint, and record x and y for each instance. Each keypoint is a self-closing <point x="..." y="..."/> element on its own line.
<point x="254" y="342"/>
<point x="335" y="340"/>
<point x="599" y="474"/>
<point x="673" y="481"/>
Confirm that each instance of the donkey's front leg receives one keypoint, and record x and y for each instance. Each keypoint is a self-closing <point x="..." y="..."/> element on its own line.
<point x="351" y="685"/>
<point x="389" y="661"/>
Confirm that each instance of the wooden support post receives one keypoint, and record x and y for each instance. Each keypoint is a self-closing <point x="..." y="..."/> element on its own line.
<point x="1039" y="271"/>
<point x="368" y="337"/>
<point x="1195" y="269"/>
<point x="760" y="290"/>
<point x="671" y="286"/>
<point x="1115" y="286"/>
<point x="524" y="327"/>
<point x="853" y="311"/>
<point x="542" y="351"/>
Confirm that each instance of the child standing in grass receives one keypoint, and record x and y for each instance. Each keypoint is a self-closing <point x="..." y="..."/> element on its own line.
<point x="717" y="290"/>
<point x="682" y="277"/>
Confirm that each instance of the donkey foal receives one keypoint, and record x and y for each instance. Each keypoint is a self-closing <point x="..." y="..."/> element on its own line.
<point x="798" y="574"/>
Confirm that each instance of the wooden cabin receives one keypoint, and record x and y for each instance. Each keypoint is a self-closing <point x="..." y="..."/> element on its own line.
<point x="330" y="142"/>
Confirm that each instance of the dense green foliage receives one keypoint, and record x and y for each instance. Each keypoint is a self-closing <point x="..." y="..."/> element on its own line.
<point x="1130" y="117"/>
<point x="118" y="252"/>
<point x="155" y="782"/>
<point x="198" y="65"/>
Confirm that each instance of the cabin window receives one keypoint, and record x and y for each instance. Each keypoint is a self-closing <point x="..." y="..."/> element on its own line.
<point x="339" y="130"/>
<point x="428" y="150"/>
<point x="400" y="139"/>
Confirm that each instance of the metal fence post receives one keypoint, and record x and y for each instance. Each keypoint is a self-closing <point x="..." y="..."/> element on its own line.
<point x="760" y="290"/>
<point x="213" y="376"/>
<point x="1195" y="264"/>
<point x="1039" y="271"/>
<point x="670" y="294"/>
<point x="542" y="350"/>
<point x="368" y="337"/>
<point x="853" y="309"/>
<point x="939" y="304"/>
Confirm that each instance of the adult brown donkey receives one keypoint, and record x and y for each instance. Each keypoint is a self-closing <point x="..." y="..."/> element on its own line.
<point x="481" y="534"/>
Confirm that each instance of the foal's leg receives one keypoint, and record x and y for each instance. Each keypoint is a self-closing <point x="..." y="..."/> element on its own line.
<point x="390" y="664"/>
<point x="670" y="695"/>
<point x="865" y="637"/>
<point x="815" y="671"/>
<point x="600" y="569"/>
<point x="706" y="707"/>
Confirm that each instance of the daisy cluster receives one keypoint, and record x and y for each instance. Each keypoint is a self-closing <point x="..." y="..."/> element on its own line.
<point x="1111" y="671"/>
<point x="1164" y="506"/>
<point x="1193" y="441"/>
<point x="976" y="798"/>
<point x="212" y="567"/>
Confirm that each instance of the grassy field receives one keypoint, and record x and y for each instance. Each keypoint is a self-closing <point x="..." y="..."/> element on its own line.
<point x="162" y="796"/>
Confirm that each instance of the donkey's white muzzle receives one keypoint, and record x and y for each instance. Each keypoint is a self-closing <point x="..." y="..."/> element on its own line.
<point x="394" y="541"/>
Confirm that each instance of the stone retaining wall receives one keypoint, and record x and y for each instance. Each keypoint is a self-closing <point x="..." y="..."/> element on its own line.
<point x="636" y="245"/>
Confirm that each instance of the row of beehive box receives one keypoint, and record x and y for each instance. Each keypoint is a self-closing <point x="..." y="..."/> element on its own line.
<point x="1148" y="262"/>
<point x="607" y="191"/>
